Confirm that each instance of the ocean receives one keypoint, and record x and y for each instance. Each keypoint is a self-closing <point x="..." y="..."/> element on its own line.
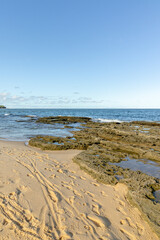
<point x="20" y="125"/>
<point x="17" y="124"/>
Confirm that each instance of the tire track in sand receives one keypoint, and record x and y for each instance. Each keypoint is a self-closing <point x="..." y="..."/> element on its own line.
<point x="69" y="210"/>
<point x="53" y="195"/>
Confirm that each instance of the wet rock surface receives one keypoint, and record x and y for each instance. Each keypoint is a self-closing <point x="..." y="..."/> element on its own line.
<point x="106" y="143"/>
<point x="63" y="120"/>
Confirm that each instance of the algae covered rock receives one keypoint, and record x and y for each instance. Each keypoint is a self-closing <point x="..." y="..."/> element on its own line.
<point x="2" y="106"/>
<point x="63" y="120"/>
<point x="104" y="145"/>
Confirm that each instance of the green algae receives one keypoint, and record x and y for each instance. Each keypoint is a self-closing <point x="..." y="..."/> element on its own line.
<point x="2" y="106"/>
<point x="63" y="120"/>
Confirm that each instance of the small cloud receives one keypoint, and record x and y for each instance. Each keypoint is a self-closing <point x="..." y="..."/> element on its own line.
<point x="4" y="94"/>
<point x="76" y="93"/>
<point x="74" y="101"/>
<point x="45" y="101"/>
<point x="84" y="99"/>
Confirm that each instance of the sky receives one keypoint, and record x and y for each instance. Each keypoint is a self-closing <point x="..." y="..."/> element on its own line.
<point x="80" y="53"/>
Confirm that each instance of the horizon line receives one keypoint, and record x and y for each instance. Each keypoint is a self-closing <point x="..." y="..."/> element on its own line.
<point x="83" y="108"/>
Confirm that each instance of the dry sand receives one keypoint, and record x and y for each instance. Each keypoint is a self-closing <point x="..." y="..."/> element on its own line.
<point x="44" y="195"/>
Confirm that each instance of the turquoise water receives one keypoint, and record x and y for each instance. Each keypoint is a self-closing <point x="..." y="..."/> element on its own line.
<point x="14" y="125"/>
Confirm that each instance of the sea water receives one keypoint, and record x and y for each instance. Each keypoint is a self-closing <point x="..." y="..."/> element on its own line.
<point x="20" y="125"/>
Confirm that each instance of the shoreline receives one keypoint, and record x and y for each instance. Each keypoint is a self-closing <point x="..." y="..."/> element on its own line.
<point x="35" y="183"/>
<point x="108" y="145"/>
<point x="21" y="124"/>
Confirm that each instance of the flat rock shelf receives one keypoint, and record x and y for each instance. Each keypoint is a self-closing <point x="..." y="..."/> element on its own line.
<point x="105" y="146"/>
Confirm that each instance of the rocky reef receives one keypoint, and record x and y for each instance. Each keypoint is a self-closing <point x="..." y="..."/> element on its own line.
<point x="106" y="144"/>
<point x="63" y="120"/>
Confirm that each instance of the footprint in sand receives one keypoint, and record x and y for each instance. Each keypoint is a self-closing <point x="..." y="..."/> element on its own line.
<point x="104" y="194"/>
<point x="23" y="188"/>
<point x="55" y="161"/>
<point x="48" y="169"/>
<point x="129" y="222"/>
<point x="101" y="222"/>
<point x="71" y="176"/>
<point x="28" y="216"/>
<point x="64" y="182"/>
<point x="52" y="176"/>
<point x="71" y="200"/>
<point x="105" y="237"/>
<point x="119" y="209"/>
<point x="123" y="222"/>
<point x="72" y="183"/>
<point x="87" y="227"/>
<point x="95" y="208"/>
<point x="67" y="186"/>
<point x="95" y="184"/>
<point x="90" y="194"/>
<point x="122" y="203"/>
<point x="82" y="190"/>
<point x="5" y="222"/>
<point x="140" y="229"/>
<point x="20" y="196"/>
<point x="116" y="196"/>
<point x="58" y="166"/>
<point x="30" y="175"/>
<point x="52" y="196"/>
<point x="12" y="196"/>
<point x="46" y="156"/>
<point x="128" y="235"/>
<point x="83" y="215"/>
<point x="83" y="178"/>
<point x="77" y="193"/>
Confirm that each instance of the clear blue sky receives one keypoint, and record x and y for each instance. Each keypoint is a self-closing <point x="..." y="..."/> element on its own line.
<point x="80" y="53"/>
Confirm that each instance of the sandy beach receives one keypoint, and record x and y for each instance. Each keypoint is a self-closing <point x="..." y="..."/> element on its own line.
<point x="44" y="195"/>
<point x="79" y="120"/>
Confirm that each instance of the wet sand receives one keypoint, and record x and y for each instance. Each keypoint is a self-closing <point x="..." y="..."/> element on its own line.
<point x="44" y="195"/>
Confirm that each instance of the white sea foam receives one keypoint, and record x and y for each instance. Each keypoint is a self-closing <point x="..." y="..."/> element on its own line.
<point x="6" y="114"/>
<point x="108" y="120"/>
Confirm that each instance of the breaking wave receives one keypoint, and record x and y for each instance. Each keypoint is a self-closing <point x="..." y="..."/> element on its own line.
<point x="107" y="120"/>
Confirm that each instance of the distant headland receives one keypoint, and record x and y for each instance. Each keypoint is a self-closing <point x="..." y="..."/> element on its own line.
<point x="1" y="106"/>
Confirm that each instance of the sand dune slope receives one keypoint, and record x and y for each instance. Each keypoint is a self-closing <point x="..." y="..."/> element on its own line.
<point x="44" y="195"/>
